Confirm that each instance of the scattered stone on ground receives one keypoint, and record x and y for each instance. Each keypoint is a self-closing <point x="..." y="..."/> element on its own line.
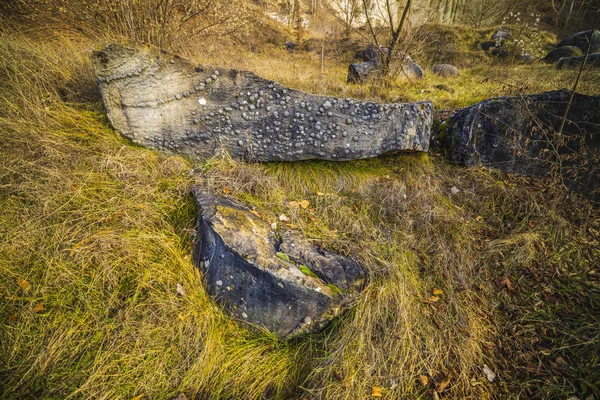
<point x="559" y="52"/>
<point x="164" y="102"/>
<point x="518" y="134"/>
<point x="445" y="70"/>
<point x="363" y="71"/>
<point x="593" y="62"/>
<point x="268" y="279"/>
<point x="411" y="69"/>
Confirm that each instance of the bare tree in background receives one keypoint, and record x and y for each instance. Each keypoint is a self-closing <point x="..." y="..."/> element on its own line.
<point x="393" y="16"/>
<point x="348" y="12"/>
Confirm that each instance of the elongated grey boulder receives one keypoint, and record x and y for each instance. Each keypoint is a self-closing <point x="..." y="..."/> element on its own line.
<point x="266" y="278"/>
<point x="165" y="102"/>
<point x="520" y="134"/>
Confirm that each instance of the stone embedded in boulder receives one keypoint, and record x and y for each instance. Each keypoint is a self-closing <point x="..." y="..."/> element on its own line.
<point x="593" y="62"/>
<point x="518" y="134"/>
<point x="582" y="40"/>
<point x="445" y="70"/>
<point x="277" y="281"/>
<point x="165" y="102"/>
<point x="565" y="51"/>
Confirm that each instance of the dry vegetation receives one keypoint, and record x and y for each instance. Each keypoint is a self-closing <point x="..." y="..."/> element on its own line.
<point x="95" y="235"/>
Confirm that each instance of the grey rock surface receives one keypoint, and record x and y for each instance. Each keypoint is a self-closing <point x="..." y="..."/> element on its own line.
<point x="565" y="51"/>
<point x="267" y="279"/>
<point x="518" y="134"/>
<point x="165" y="102"/>
<point x="582" y="39"/>
<point x="593" y="62"/>
<point x="412" y="70"/>
<point x="445" y="70"/>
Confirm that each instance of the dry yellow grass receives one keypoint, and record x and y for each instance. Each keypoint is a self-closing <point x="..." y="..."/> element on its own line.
<point x="97" y="231"/>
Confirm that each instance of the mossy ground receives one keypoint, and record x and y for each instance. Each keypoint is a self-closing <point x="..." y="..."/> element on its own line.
<point x="96" y="234"/>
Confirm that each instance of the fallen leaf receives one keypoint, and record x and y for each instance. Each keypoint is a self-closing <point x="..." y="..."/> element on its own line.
<point x="437" y="292"/>
<point x="283" y="218"/>
<point x="302" y="203"/>
<point x="26" y="286"/>
<point x="431" y="300"/>
<point x="180" y="290"/>
<point x="320" y="194"/>
<point x="531" y="224"/>
<point x="12" y="317"/>
<point x="138" y="397"/>
<point x="562" y="364"/>
<point x="505" y="282"/>
<point x="444" y="384"/>
<point x="424" y="380"/>
<point x="292" y="226"/>
<point x="376" y="391"/>
<point x="489" y="374"/>
<point x="226" y="190"/>
<point x="38" y="308"/>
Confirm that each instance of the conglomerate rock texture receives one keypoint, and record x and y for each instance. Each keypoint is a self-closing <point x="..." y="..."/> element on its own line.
<point x="169" y="103"/>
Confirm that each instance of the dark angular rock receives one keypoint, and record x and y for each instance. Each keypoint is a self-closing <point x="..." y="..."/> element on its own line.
<point x="518" y="134"/>
<point x="361" y="72"/>
<point x="282" y="283"/>
<point x="445" y="70"/>
<point x="485" y="46"/>
<point x="565" y="51"/>
<point x="169" y="103"/>
<point x="593" y="62"/>
<point x="582" y="39"/>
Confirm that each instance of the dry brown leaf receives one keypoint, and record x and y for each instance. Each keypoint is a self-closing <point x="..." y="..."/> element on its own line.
<point x="424" y="380"/>
<point x="437" y="292"/>
<point x="562" y="364"/>
<point x="226" y="190"/>
<point x="320" y="194"/>
<point x="292" y="226"/>
<point x="26" y="286"/>
<point x="444" y="384"/>
<point x="376" y="391"/>
<point x="38" y="308"/>
<point x="505" y="282"/>
<point x="138" y="397"/>
<point x="12" y="317"/>
<point x="302" y="203"/>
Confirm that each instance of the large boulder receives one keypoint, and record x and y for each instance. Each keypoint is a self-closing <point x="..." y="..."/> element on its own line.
<point x="560" y="52"/>
<point x="267" y="279"/>
<point x="445" y="70"/>
<point x="519" y="134"/>
<point x="593" y="62"/>
<point x="582" y="39"/>
<point x="165" y="102"/>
